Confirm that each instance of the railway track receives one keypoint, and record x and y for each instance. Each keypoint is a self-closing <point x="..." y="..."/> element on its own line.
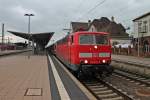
<point x="132" y="84"/>
<point x="133" y="78"/>
<point x="119" y="86"/>
<point x="104" y="91"/>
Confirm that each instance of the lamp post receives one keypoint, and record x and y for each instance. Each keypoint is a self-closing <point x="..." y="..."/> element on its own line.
<point x="2" y="48"/>
<point x="29" y="15"/>
<point x="138" y="45"/>
<point x="139" y="30"/>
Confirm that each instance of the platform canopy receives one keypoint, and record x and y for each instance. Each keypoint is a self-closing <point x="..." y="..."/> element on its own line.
<point x="40" y="38"/>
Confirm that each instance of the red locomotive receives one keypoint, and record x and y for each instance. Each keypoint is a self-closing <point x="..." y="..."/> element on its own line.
<point x="85" y="52"/>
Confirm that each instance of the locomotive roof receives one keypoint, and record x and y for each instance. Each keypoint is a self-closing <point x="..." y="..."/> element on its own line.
<point x="86" y="32"/>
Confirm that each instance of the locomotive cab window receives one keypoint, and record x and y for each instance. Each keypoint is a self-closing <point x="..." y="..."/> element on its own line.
<point x="101" y="39"/>
<point x="93" y="39"/>
<point x="86" y="39"/>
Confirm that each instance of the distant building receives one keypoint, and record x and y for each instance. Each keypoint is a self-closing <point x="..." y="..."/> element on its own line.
<point x="79" y="26"/>
<point x="142" y="30"/>
<point x="117" y="31"/>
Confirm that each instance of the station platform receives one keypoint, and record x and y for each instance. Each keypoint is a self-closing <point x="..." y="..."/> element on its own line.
<point x="38" y="78"/>
<point x="132" y="59"/>
<point x="24" y="79"/>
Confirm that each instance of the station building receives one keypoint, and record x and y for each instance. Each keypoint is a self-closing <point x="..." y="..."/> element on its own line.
<point x="142" y="32"/>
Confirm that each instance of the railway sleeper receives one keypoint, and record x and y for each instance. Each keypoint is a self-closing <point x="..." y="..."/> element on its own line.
<point x="115" y="98"/>
<point x="107" y="95"/>
<point x="100" y="89"/>
<point x="105" y="91"/>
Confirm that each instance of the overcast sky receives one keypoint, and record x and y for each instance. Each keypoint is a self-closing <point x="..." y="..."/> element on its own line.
<point x="54" y="15"/>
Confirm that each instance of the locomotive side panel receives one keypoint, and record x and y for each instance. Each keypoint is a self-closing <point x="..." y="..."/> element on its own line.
<point x="62" y="50"/>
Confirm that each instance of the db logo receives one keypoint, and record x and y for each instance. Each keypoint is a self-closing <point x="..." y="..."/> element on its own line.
<point x="95" y="54"/>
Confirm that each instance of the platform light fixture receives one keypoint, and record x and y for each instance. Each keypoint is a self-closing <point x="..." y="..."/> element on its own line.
<point x="29" y="15"/>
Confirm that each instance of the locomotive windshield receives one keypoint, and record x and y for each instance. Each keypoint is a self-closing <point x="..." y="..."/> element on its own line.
<point x="86" y="39"/>
<point x="93" y="39"/>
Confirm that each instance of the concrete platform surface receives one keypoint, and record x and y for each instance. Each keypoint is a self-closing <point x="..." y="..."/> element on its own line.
<point x="132" y="59"/>
<point x="24" y="79"/>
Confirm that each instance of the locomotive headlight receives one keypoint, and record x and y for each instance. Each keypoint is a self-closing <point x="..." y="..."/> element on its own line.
<point x="104" y="61"/>
<point x="95" y="46"/>
<point x="85" y="61"/>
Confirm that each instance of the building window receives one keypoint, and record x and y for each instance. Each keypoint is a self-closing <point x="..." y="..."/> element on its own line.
<point x="145" y="27"/>
<point x="139" y="27"/>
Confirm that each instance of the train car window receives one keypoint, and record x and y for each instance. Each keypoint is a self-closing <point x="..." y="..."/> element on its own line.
<point x="86" y="39"/>
<point x="101" y="39"/>
<point x="93" y="39"/>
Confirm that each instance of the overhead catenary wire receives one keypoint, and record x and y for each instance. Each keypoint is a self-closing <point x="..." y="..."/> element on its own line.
<point x="89" y="11"/>
<point x="119" y="12"/>
<point x="97" y="5"/>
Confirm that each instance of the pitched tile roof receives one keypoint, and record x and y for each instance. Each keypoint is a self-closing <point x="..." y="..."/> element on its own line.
<point x="106" y="25"/>
<point x="144" y="15"/>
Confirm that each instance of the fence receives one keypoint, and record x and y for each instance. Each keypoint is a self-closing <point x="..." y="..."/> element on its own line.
<point x="7" y="47"/>
<point x="143" y="50"/>
<point x="146" y="49"/>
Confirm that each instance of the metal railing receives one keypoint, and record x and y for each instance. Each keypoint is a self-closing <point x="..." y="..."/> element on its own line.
<point x="146" y="48"/>
<point x="143" y="50"/>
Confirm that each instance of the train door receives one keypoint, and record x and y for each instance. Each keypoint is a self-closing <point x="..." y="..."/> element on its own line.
<point x="70" y="47"/>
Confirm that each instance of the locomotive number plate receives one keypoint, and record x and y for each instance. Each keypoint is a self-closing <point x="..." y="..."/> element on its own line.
<point x="95" y="54"/>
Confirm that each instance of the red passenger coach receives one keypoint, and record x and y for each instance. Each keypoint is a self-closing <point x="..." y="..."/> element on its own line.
<point x="84" y="52"/>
